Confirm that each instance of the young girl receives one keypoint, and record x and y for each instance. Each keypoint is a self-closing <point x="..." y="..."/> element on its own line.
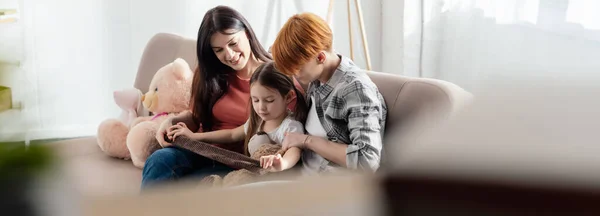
<point x="270" y="93"/>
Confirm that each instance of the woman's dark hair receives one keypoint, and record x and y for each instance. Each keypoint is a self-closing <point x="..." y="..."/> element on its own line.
<point x="267" y="76"/>
<point x="211" y="77"/>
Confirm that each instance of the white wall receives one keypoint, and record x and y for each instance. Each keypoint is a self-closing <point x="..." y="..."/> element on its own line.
<point x="78" y="52"/>
<point x="469" y="41"/>
<point x="392" y="35"/>
<point x="146" y="23"/>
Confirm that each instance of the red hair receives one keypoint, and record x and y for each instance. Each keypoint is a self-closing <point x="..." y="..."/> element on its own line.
<point x="300" y="39"/>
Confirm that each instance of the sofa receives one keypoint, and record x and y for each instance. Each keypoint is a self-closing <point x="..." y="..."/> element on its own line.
<point x="91" y="172"/>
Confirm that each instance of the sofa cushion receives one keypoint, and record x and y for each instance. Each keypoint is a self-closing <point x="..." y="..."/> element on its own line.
<point x="408" y="98"/>
<point x="94" y="173"/>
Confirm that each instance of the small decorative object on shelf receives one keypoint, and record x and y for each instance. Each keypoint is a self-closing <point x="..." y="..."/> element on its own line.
<point x="8" y="15"/>
<point x="5" y="98"/>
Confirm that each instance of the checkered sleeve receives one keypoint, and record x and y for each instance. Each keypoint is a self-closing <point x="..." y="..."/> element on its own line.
<point x="363" y="109"/>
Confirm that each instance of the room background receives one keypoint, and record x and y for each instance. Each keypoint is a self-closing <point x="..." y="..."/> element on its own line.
<point x="73" y="54"/>
<point x="64" y="58"/>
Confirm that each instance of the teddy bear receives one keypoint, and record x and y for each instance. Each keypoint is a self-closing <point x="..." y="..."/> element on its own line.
<point x="244" y="176"/>
<point x="130" y="102"/>
<point x="169" y="94"/>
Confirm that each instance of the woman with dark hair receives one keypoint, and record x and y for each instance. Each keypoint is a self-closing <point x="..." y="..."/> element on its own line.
<point x="228" y="53"/>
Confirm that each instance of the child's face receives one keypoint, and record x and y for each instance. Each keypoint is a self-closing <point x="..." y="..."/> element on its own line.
<point x="268" y="103"/>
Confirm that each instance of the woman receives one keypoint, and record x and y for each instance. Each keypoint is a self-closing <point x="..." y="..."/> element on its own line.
<point x="347" y="114"/>
<point x="228" y="52"/>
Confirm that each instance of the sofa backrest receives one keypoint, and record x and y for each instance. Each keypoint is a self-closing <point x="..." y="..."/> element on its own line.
<point x="406" y="97"/>
<point x="410" y="97"/>
<point x="162" y="49"/>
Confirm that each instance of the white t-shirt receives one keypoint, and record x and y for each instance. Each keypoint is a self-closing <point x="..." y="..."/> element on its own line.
<point x="289" y="124"/>
<point x="313" y="124"/>
<point x="311" y="161"/>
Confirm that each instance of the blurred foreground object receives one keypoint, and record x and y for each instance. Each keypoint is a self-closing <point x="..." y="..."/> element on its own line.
<point x="527" y="145"/>
<point x="332" y="195"/>
<point x="19" y="167"/>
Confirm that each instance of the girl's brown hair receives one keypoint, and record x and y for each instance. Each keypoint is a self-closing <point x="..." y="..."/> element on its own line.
<point x="211" y="77"/>
<point x="300" y="39"/>
<point x="267" y="76"/>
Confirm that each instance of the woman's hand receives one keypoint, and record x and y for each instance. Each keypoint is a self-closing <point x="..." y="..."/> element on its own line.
<point x="273" y="163"/>
<point x="180" y="129"/>
<point x="293" y="139"/>
<point x="162" y="132"/>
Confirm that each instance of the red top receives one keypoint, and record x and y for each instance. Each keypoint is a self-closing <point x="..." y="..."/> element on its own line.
<point x="231" y="110"/>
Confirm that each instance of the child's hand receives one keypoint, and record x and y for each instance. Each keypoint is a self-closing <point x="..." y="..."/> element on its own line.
<point x="180" y="129"/>
<point x="273" y="163"/>
<point x="161" y="134"/>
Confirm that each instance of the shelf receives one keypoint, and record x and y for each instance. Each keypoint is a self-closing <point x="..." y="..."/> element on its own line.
<point x="10" y="63"/>
<point x="9" y="20"/>
<point x="7" y="113"/>
<point x="7" y="11"/>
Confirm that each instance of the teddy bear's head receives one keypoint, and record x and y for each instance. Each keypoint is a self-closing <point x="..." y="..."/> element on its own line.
<point x="170" y="88"/>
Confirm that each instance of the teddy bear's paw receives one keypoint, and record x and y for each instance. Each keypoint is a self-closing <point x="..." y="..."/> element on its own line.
<point x="111" y="138"/>
<point x="264" y="150"/>
<point x="212" y="180"/>
<point x="239" y="177"/>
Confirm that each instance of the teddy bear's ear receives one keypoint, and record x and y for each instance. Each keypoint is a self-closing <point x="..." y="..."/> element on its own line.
<point x="127" y="98"/>
<point x="181" y="69"/>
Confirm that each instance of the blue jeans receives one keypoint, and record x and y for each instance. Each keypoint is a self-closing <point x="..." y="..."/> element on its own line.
<point x="172" y="163"/>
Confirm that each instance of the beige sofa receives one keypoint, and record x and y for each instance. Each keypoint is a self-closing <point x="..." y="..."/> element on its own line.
<point x="94" y="173"/>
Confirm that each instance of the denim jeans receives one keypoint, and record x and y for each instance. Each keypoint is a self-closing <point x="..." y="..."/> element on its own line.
<point x="172" y="163"/>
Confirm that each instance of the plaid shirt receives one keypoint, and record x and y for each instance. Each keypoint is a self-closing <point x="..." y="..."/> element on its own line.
<point x="352" y="111"/>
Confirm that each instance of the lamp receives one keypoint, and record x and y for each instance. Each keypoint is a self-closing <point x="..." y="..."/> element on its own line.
<point x="361" y="26"/>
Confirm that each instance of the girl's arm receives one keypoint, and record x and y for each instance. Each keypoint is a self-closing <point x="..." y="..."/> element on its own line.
<point x="290" y="158"/>
<point x="221" y="136"/>
<point x="276" y="163"/>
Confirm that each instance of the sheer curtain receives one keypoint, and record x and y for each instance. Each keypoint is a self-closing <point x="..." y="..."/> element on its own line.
<point x="76" y="53"/>
<point x="465" y="41"/>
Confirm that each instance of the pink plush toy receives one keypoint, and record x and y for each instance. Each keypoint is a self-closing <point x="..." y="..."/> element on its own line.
<point x="169" y="94"/>
<point x="130" y="102"/>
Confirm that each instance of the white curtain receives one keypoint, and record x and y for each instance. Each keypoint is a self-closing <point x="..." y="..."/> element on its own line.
<point x="466" y="41"/>
<point x="75" y="53"/>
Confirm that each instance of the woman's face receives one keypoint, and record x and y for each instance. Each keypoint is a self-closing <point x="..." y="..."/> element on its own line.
<point x="311" y="70"/>
<point x="232" y="48"/>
